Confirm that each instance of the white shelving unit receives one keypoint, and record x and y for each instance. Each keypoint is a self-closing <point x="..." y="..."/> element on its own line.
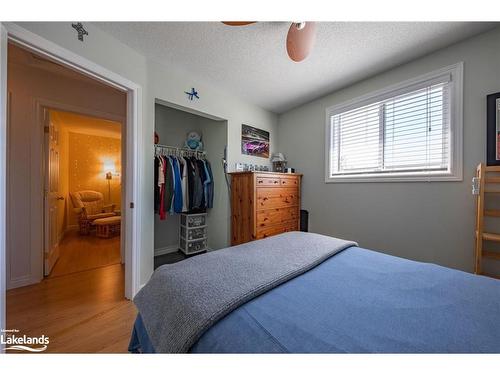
<point x="193" y="233"/>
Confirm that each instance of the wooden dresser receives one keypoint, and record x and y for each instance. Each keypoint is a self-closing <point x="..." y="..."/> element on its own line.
<point x="263" y="204"/>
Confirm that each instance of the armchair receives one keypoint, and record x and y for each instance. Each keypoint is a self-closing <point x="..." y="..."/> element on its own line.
<point x="89" y="206"/>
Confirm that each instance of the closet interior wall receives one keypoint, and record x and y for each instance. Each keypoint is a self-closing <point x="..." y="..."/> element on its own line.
<point x="172" y="126"/>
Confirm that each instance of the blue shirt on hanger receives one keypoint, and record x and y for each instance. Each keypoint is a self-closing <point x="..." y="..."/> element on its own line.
<point x="177" y="201"/>
<point x="206" y="184"/>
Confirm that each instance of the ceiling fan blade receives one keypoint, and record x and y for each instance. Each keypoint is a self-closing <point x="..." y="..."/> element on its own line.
<point x="238" y="23"/>
<point x="300" y="40"/>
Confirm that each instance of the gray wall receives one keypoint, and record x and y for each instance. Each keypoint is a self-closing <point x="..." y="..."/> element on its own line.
<point x="427" y="221"/>
<point x="172" y="126"/>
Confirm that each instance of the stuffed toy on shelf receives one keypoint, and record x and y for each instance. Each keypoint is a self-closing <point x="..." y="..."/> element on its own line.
<point x="193" y="141"/>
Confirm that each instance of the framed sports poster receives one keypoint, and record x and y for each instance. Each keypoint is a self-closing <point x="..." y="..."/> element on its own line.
<point x="254" y="141"/>
<point x="493" y="129"/>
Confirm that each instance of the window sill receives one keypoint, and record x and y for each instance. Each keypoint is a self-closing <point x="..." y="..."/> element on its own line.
<point x="395" y="178"/>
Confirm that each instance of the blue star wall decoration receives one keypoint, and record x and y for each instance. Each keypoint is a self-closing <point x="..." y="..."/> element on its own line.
<point x="193" y="94"/>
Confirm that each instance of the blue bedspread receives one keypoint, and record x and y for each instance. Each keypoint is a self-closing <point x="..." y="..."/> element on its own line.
<point x="361" y="301"/>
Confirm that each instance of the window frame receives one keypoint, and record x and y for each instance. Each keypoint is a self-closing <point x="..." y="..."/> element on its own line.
<point x="455" y="172"/>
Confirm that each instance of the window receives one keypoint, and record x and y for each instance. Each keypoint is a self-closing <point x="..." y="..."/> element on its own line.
<point x="412" y="131"/>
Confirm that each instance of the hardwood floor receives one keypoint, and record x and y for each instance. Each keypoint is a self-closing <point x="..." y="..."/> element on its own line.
<point x="80" y="311"/>
<point x="80" y="253"/>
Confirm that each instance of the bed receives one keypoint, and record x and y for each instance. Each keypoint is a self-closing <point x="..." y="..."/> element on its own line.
<point x="353" y="300"/>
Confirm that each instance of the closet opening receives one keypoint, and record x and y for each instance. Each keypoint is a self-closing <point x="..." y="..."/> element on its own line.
<point x="191" y="197"/>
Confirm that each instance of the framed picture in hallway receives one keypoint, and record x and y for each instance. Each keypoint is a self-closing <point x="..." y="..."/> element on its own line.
<point x="254" y="141"/>
<point x="493" y="129"/>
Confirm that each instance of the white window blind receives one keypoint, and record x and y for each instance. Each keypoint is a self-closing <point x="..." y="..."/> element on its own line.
<point x="406" y="132"/>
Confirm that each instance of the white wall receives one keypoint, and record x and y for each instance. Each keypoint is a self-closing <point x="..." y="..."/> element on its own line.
<point x="159" y="81"/>
<point x="432" y="222"/>
<point x="218" y="217"/>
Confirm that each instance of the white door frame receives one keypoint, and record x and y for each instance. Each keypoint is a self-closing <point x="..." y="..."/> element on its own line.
<point x="3" y="174"/>
<point x="134" y="146"/>
<point x="39" y="105"/>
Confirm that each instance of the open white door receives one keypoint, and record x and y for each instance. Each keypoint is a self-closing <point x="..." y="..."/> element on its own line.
<point x="3" y="174"/>
<point x="52" y="195"/>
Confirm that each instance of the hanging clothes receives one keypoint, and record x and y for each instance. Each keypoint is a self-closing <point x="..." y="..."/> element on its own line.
<point x="182" y="184"/>
<point x="170" y="202"/>
<point x="210" y="201"/>
<point x="161" y="184"/>
<point x="168" y="185"/>
<point x="206" y="183"/>
<point x="198" y="185"/>
<point x="190" y="183"/>
<point x="156" y="186"/>
<point x="203" y="178"/>
<point x="177" y="202"/>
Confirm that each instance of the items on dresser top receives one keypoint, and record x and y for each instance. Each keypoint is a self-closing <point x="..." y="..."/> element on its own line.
<point x="243" y="167"/>
<point x="279" y="162"/>
<point x="263" y="204"/>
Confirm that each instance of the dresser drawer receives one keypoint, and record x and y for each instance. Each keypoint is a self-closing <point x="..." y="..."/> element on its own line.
<point x="277" y="229"/>
<point x="292" y="226"/>
<point x="267" y="181"/>
<point x="271" y="231"/>
<point x="290" y="197"/>
<point x="267" y="218"/>
<point x="289" y="181"/>
<point x="289" y="214"/>
<point x="275" y="198"/>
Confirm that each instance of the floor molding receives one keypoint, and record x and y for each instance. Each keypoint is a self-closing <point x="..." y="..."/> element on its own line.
<point x="71" y="228"/>
<point x="166" y="250"/>
<point x="19" y="282"/>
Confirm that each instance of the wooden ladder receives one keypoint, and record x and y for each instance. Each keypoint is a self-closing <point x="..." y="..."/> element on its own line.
<point x="488" y="182"/>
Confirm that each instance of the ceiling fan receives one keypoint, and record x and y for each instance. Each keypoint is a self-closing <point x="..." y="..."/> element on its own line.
<point x="299" y="40"/>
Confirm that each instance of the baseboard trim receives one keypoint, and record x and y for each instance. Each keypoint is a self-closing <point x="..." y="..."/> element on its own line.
<point x="166" y="250"/>
<point x="172" y="249"/>
<point x="70" y="228"/>
<point x="19" y="282"/>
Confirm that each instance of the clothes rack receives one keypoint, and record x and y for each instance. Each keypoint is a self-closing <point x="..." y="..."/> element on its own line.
<point x="178" y="151"/>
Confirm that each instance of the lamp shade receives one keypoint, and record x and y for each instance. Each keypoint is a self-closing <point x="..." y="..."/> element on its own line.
<point x="109" y="166"/>
<point x="278" y="157"/>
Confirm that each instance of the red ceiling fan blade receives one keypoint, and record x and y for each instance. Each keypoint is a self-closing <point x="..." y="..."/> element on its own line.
<point x="300" y="40"/>
<point x="238" y="23"/>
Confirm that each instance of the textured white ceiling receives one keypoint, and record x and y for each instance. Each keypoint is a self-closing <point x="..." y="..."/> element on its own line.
<point x="252" y="63"/>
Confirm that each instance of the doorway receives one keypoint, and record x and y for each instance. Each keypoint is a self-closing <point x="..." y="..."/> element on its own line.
<point x="83" y="193"/>
<point x="43" y="301"/>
